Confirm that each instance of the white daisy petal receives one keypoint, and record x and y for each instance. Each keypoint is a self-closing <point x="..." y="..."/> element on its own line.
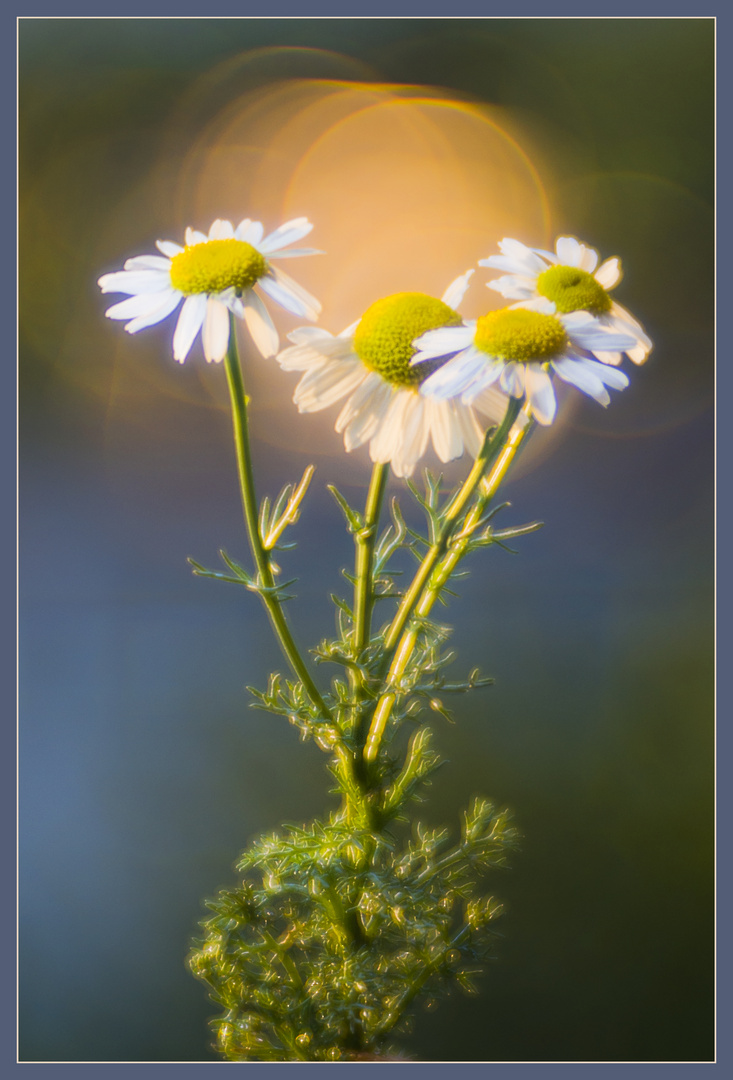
<point x="215" y="333"/>
<point x="304" y="335"/>
<point x="282" y="296"/>
<point x="193" y="237"/>
<point x="300" y="358"/>
<point x="513" y="286"/>
<point x="471" y="431"/>
<point x="285" y="234"/>
<point x="307" y="358"/>
<point x="515" y="257"/>
<point x="572" y="253"/>
<point x="372" y="389"/>
<point x="484" y="379"/>
<point x="259" y="324"/>
<point x="229" y="298"/>
<point x="328" y="384"/>
<point x="365" y="410"/>
<point x="314" y="349"/>
<point x="588" y="259"/>
<point x="167" y="307"/>
<point x="590" y="334"/>
<point x="148" y="262"/>
<point x="221" y="229"/>
<point x="568" y="251"/>
<point x="438" y="420"/>
<point x="297" y="290"/>
<point x="350" y="330"/>
<point x="609" y="376"/>
<point x="537" y="303"/>
<point x="388" y="439"/>
<point x="491" y="403"/>
<point x="614" y="324"/>
<point x="145" y="305"/>
<point x="457" y="289"/>
<point x="593" y="338"/>
<point x="613" y="358"/>
<point x="441" y="342"/>
<point x="190" y="321"/>
<point x="135" y="282"/>
<point x="292" y="296"/>
<point x="295" y="253"/>
<point x="249" y="231"/>
<point x="456" y="376"/>
<point x="538" y="387"/>
<point x="444" y="431"/>
<point x="511" y="379"/>
<point x="578" y="373"/>
<point x="415" y="434"/>
<point x="620" y="313"/>
<point x="608" y="273"/>
<point x="503" y="262"/>
<point x="141" y="304"/>
<point x="638" y="354"/>
<point x="626" y="322"/>
<point x="168" y="248"/>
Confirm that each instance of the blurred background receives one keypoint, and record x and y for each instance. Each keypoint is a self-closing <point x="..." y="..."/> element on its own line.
<point x="414" y="146"/>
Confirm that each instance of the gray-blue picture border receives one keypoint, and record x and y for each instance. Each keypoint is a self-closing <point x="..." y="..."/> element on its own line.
<point x="8" y="530"/>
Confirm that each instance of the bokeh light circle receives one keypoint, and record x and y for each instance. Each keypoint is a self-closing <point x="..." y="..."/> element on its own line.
<point x="407" y="187"/>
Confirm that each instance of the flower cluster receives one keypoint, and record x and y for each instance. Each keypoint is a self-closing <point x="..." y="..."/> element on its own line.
<point x="411" y="370"/>
<point x="338" y="927"/>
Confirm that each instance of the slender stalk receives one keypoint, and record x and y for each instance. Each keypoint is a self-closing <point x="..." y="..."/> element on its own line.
<point x="365" y="540"/>
<point x="265" y="577"/>
<point x="488" y="452"/>
<point x="430" y="589"/>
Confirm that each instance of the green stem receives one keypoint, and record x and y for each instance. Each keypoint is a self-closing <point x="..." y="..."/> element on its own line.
<point x="235" y="381"/>
<point x="502" y="450"/>
<point x="487" y="454"/>
<point x="365" y="541"/>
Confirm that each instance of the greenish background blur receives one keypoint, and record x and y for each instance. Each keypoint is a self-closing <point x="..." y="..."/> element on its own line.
<point x="143" y="772"/>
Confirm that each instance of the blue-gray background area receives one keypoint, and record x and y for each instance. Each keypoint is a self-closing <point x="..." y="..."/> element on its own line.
<point x="143" y="770"/>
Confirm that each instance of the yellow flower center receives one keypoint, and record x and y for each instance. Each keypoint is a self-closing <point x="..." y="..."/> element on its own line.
<point x="386" y="331"/>
<point x="217" y="265"/>
<point x="520" y="335"/>
<point x="572" y="289"/>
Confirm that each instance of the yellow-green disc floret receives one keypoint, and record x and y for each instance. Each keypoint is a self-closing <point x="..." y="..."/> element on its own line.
<point x="571" y="289"/>
<point x="520" y="335"/>
<point x="383" y="339"/>
<point x="217" y="265"/>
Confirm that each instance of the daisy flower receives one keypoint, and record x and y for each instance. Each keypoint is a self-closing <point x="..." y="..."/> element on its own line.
<point x="214" y="275"/>
<point x="515" y="347"/>
<point x="571" y="278"/>
<point x="368" y="363"/>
